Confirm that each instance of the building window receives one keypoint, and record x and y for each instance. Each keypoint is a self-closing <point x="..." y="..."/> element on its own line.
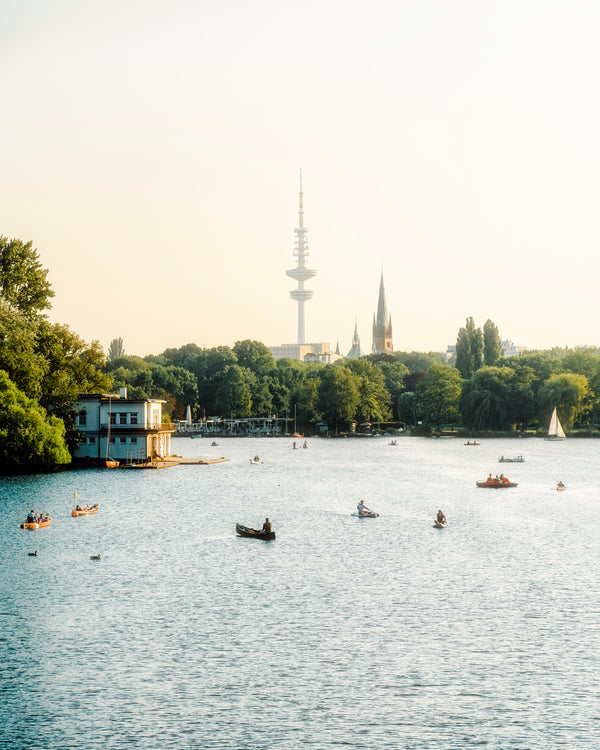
<point x="112" y="440"/>
<point x="122" y="440"/>
<point x="122" y="418"/>
<point x="113" y="419"/>
<point x="82" y="418"/>
<point x="91" y="440"/>
<point x="133" y="418"/>
<point x="133" y="440"/>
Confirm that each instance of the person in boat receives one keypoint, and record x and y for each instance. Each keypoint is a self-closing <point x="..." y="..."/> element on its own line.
<point x="31" y="516"/>
<point x="440" y="518"/>
<point x="267" y="527"/>
<point x="256" y="459"/>
<point x="560" y="485"/>
<point x="489" y="479"/>
<point x="362" y="508"/>
<point x="78" y="507"/>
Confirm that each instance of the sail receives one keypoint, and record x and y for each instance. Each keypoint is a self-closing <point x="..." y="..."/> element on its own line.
<point x="555" y="430"/>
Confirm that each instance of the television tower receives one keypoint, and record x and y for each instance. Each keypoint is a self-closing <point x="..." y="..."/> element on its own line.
<point x="301" y="273"/>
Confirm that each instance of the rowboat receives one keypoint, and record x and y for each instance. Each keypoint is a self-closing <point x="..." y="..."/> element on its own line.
<point x="254" y="533"/>
<point x="36" y="525"/>
<point x="84" y="511"/>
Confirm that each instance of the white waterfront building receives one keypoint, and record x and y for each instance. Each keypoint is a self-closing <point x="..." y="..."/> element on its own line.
<point x="115" y="427"/>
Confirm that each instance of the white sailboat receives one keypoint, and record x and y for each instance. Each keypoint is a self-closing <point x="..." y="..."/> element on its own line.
<point x="555" y="431"/>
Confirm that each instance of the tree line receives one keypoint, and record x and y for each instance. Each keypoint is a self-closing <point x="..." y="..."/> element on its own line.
<point x="44" y="366"/>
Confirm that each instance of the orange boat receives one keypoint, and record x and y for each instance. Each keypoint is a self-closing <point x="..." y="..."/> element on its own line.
<point x="497" y="482"/>
<point x="37" y="524"/>
<point x="473" y="443"/>
<point x="84" y="511"/>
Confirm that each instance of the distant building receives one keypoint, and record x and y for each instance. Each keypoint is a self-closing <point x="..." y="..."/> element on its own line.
<point x="300" y="351"/>
<point x="511" y="350"/>
<point x="126" y="430"/>
<point x="355" y="351"/>
<point x="382" y="325"/>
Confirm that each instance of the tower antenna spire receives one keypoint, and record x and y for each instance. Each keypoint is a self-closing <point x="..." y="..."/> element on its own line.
<point x="301" y="272"/>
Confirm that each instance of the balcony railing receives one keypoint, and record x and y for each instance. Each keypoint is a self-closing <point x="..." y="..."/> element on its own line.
<point x="149" y="427"/>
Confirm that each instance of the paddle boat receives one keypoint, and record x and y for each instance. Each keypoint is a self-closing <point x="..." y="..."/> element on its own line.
<point x="267" y="536"/>
<point x="500" y="482"/>
<point x="39" y="524"/>
<point x="87" y="511"/>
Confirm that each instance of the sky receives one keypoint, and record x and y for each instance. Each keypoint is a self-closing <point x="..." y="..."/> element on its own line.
<point x="151" y="152"/>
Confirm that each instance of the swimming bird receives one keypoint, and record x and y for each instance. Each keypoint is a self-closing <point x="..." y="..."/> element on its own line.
<point x="95" y="557"/>
<point x="32" y="554"/>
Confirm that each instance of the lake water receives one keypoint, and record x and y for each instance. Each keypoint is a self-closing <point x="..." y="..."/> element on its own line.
<point x="344" y="632"/>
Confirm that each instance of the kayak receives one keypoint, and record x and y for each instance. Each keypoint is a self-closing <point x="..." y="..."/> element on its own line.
<point x="254" y="533"/>
<point x="437" y="525"/>
<point x="370" y="514"/>
<point x="85" y="511"/>
<point x="36" y="525"/>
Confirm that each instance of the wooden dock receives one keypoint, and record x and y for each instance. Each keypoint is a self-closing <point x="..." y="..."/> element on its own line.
<point x="164" y="463"/>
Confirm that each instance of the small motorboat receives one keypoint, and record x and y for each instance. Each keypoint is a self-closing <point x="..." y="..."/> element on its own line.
<point x="365" y="514"/>
<point x="88" y="511"/>
<point x="267" y="536"/>
<point x="497" y="483"/>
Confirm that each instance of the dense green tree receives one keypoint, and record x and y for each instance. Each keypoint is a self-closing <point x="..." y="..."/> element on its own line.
<point x="408" y="408"/>
<point x="255" y="356"/>
<point x="233" y="393"/>
<point x="115" y="349"/>
<point x="568" y="392"/>
<point x="492" y="346"/>
<point x="438" y="395"/>
<point x="29" y="438"/>
<point x="419" y="361"/>
<point x="374" y="399"/>
<point x="469" y="349"/>
<point x="19" y="352"/>
<point x="394" y="374"/>
<point x="23" y="282"/>
<point x="485" y="399"/>
<point x="338" y="396"/>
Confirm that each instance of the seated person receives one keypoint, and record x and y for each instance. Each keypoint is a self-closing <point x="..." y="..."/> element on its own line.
<point x="31" y="517"/>
<point x="441" y="518"/>
<point x="362" y="508"/>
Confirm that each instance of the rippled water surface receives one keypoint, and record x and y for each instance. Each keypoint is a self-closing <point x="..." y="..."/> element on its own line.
<point x="383" y="633"/>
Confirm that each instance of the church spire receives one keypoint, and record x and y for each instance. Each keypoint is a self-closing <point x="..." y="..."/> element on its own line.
<point x="382" y="324"/>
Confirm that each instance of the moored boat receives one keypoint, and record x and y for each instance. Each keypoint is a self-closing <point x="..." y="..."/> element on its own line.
<point x="267" y="536"/>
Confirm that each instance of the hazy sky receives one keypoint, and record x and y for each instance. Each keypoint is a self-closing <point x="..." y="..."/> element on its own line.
<point x="151" y="151"/>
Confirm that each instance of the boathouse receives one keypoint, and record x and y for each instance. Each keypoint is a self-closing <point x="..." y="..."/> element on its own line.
<point x="114" y="427"/>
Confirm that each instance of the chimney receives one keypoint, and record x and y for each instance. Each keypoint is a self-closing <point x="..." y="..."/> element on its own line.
<point x="123" y="393"/>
